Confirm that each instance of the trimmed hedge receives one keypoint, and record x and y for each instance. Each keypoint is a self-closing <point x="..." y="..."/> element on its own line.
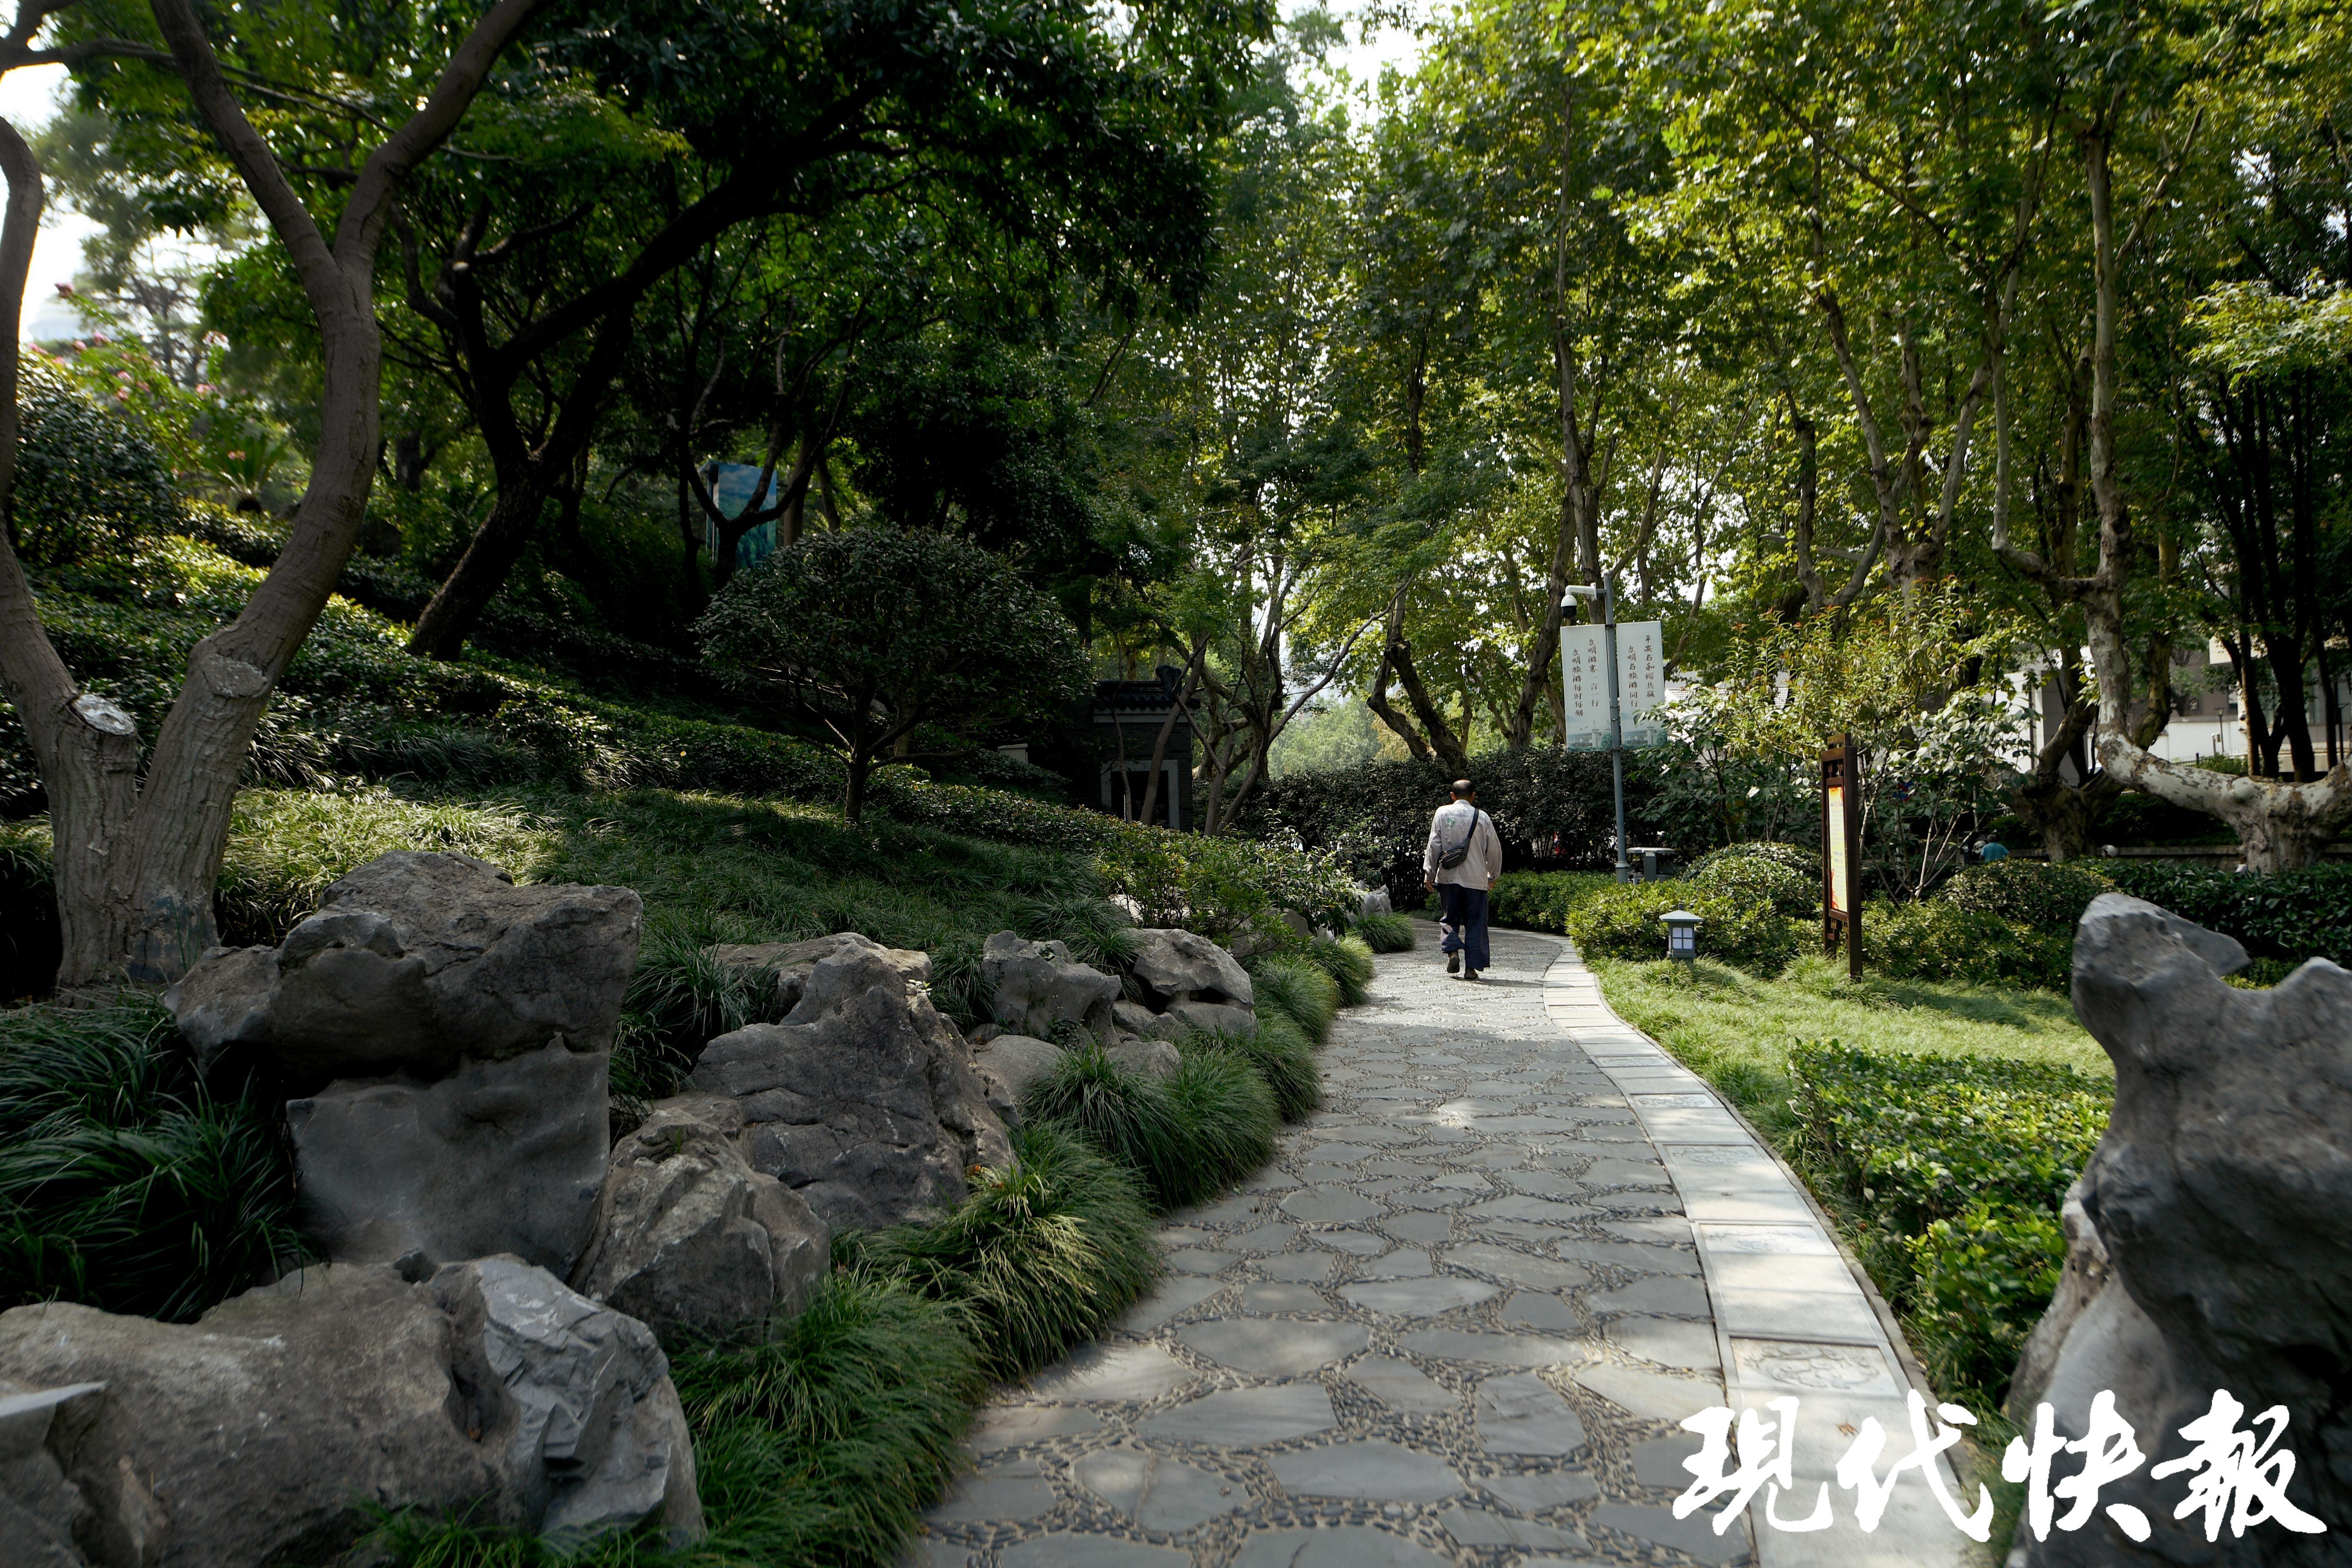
<point x="1750" y="876"/>
<point x="1541" y="900"/>
<point x="2290" y="915"/>
<point x="1622" y="921"/>
<point x="1958" y="1167"/>
<point x="1933" y="940"/>
<point x="2029" y="892"/>
<point x="1551" y="808"/>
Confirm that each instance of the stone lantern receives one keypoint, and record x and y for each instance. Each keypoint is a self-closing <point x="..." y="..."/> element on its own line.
<point x="1682" y="936"/>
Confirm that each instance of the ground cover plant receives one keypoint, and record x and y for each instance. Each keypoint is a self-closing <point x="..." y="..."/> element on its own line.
<point x="1956" y="1168"/>
<point x="1387" y="933"/>
<point x="127" y="1181"/>
<point x="1041" y="1255"/>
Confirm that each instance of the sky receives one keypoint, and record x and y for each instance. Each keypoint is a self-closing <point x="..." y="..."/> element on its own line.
<point x="27" y="99"/>
<point x="30" y="97"/>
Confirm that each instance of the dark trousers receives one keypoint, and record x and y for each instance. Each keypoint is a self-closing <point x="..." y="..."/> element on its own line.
<point x="1462" y="918"/>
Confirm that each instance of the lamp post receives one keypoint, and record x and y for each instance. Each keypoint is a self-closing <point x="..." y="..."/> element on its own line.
<point x="1682" y="936"/>
<point x="1616" y="732"/>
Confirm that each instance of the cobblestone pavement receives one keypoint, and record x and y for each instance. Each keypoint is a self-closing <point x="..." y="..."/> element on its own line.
<point x="1458" y="1321"/>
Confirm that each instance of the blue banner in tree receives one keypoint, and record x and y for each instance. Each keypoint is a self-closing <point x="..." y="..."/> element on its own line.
<point x="736" y="488"/>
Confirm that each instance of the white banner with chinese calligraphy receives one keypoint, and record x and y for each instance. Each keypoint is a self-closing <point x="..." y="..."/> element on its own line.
<point x="1640" y="684"/>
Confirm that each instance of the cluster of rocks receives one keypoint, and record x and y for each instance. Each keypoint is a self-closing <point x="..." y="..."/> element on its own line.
<point x="865" y="1101"/>
<point x="2209" y="1242"/>
<point x="1179" y="982"/>
<point x="482" y="1334"/>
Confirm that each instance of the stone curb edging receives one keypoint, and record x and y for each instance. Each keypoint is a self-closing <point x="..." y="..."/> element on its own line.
<point x="1777" y="1340"/>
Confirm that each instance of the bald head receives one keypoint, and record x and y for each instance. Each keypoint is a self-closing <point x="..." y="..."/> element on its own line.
<point x="1464" y="789"/>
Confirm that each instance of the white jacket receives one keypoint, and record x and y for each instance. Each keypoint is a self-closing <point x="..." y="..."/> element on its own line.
<point x="1484" y="860"/>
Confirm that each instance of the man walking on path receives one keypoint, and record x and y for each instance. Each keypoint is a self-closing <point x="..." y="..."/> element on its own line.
<point x="1461" y="864"/>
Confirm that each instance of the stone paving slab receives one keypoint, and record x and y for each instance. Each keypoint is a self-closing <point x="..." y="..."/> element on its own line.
<point x="1458" y="1322"/>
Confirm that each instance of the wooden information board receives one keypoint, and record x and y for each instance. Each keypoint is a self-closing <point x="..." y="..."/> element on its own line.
<point x="1841" y="851"/>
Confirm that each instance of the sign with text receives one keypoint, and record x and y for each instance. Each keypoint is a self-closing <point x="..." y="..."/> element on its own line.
<point x="1640" y="684"/>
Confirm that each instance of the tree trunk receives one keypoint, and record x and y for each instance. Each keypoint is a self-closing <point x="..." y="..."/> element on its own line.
<point x="2280" y="827"/>
<point x="136" y="862"/>
<point x="526" y="478"/>
<point x="853" y="806"/>
<point x="1168" y="726"/>
<point x="1443" y="745"/>
<point x="457" y="604"/>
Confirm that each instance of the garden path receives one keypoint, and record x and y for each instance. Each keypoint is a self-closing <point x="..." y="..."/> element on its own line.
<point x="1459" y="1322"/>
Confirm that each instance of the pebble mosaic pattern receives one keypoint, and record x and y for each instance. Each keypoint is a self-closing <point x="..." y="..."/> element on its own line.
<point x="1457" y="1322"/>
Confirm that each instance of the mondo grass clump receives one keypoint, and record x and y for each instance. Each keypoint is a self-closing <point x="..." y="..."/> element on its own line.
<point x="1040" y="1256"/>
<point x="1127" y="1116"/>
<point x="825" y="1444"/>
<point x="1182" y="1137"/>
<point x="1282" y="1057"/>
<point x="1348" y="963"/>
<point x="126" y="1182"/>
<point x="1297" y="990"/>
<point x="1229" y="1116"/>
<point x="1387" y="933"/>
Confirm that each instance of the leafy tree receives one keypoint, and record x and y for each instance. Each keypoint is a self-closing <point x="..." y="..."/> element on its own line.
<point x="867" y="633"/>
<point x="139" y="832"/>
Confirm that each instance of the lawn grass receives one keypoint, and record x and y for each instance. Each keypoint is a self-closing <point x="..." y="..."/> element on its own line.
<point x="1734" y="1030"/>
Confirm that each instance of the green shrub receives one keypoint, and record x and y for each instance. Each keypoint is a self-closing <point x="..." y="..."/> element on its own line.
<point x="1795" y="858"/>
<point x="1388" y="934"/>
<point x="1547" y="803"/>
<point x="1229" y="1117"/>
<point x="1920" y="1138"/>
<point x="1349" y="962"/>
<point x="1933" y="940"/>
<point x="1542" y="900"/>
<point x="1297" y="990"/>
<point x="1760" y="882"/>
<point x="2028" y="891"/>
<point x="126" y="1183"/>
<point x="1038" y="1257"/>
<point x="87" y="479"/>
<point x="1957" y="1166"/>
<point x="1183" y="1137"/>
<point x="2293" y="915"/>
<point x="1282" y="1057"/>
<point x="825" y="1444"/>
<point x="1130" y="1117"/>
<point x="1622" y="921"/>
<point x="1980" y="1282"/>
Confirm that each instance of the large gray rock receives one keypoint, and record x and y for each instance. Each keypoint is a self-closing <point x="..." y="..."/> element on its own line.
<point x="1152" y="1059"/>
<point x="1138" y="1019"/>
<point x="1180" y="967"/>
<point x="505" y="1156"/>
<point x="263" y="1432"/>
<point x="1011" y="1063"/>
<point x="40" y="1511"/>
<point x="691" y="1240"/>
<point x="2221" y="1201"/>
<point x="779" y="970"/>
<point x="865" y="1101"/>
<point x="417" y="962"/>
<point x="1375" y="902"/>
<point x="1037" y="985"/>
